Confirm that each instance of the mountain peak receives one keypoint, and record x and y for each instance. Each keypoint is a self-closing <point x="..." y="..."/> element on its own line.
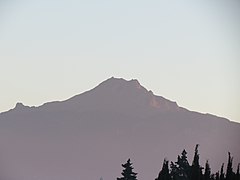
<point x="120" y="81"/>
<point x="121" y="86"/>
<point x="19" y="105"/>
<point x="124" y="94"/>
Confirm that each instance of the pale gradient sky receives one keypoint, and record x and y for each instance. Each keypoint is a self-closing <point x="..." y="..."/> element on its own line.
<point x="186" y="51"/>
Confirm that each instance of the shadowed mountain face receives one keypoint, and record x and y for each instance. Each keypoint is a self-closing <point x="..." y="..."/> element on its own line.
<point x="89" y="135"/>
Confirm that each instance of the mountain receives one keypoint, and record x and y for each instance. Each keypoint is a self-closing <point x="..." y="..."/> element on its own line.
<point x="89" y="135"/>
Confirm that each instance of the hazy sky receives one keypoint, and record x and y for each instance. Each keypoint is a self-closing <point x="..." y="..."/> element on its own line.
<point x="187" y="51"/>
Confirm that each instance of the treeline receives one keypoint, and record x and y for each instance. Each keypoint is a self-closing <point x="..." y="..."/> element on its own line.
<point x="182" y="170"/>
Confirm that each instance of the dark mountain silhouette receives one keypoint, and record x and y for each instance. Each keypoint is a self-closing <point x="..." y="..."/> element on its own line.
<point x="86" y="136"/>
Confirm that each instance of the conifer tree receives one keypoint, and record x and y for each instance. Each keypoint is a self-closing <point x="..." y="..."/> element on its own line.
<point x="196" y="169"/>
<point x="174" y="171"/>
<point x="183" y="167"/>
<point x="217" y="176"/>
<point x="207" y="173"/>
<point x="222" y="173"/>
<point x="127" y="172"/>
<point x="238" y="173"/>
<point x="229" y="173"/>
<point x="164" y="173"/>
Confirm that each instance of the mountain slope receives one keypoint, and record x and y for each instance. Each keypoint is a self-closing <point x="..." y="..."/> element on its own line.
<point x="89" y="135"/>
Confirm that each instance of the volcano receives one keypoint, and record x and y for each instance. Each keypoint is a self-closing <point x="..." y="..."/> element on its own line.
<point x="89" y="135"/>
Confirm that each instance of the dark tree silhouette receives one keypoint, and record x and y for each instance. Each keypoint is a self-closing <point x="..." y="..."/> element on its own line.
<point x="174" y="171"/>
<point x="238" y="173"/>
<point x="181" y="169"/>
<point x="127" y="172"/>
<point x="164" y="173"/>
<point x="196" y="169"/>
<point x="207" y="173"/>
<point x="229" y="173"/>
<point x="217" y="176"/>
<point x="222" y="173"/>
<point x="183" y="166"/>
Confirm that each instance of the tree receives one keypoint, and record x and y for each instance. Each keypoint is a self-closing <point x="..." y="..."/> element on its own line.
<point x="174" y="171"/>
<point x="222" y="173"/>
<point x="164" y="173"/>
<point x="196" y="169"/>
<point x="229" y="173"/>
<point x="207" y="173"/>
<point x="127" y="172"/>
<point x="217" y="176"/>
<point x="237" y="173"/>
<point x="182" y="167"/>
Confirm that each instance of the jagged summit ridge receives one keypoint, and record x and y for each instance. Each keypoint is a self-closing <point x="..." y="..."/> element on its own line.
<point x="133" y="90"/>
<point x="115" y="83"/>
<point x="114" y="93"/>
<point x="121" y="94"/>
